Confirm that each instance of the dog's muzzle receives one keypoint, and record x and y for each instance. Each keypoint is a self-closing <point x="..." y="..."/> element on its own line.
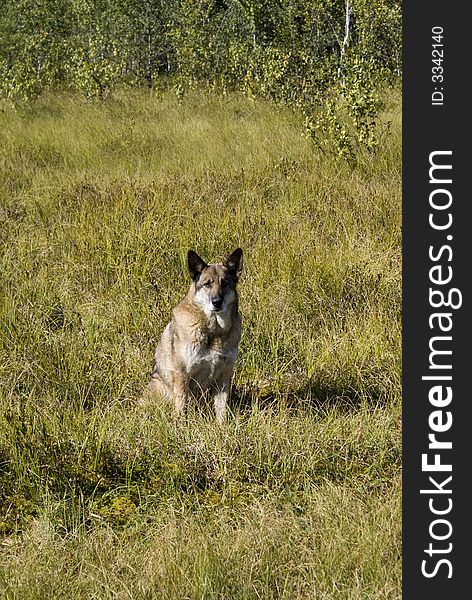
<point x="217" y="303"/>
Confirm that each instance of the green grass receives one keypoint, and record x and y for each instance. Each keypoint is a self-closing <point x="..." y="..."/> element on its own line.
<point x="298" y="495"/>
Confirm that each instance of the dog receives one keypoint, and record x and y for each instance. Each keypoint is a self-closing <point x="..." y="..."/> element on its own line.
<point x="198" y="348"/>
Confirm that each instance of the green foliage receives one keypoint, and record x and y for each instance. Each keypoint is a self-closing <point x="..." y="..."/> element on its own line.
<point x="93" y="64"/>
<point x="34" y="49"/>
<point x="292" y="52"/>
<point x="346" y="119"/>
<point x="118" y="511"/>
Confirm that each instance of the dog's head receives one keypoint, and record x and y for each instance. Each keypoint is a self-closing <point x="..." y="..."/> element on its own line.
<point x="215" y="284"/>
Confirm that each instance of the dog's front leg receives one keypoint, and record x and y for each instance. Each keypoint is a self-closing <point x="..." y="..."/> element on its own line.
<point x="223" y="389"/>
<point x="180" y="392"/>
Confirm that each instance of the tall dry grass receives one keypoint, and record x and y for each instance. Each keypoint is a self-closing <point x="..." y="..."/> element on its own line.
<point x="298" y="496"/>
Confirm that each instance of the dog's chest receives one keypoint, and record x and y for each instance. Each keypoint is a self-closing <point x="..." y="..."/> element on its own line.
<point x="205" y="360"/>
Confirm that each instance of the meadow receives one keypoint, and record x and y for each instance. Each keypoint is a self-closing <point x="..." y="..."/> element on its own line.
<point x="298" y="495"/>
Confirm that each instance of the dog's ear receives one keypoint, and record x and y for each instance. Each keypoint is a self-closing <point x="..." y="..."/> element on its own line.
<point x="234" y="263"/>
<point x="195" y="264"/>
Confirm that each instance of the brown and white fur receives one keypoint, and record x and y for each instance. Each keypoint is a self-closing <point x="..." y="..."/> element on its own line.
<point x="198" y="348"/>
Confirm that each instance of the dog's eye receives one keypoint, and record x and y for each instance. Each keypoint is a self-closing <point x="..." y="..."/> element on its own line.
<point x="224" y="283"/>
<point x="207" y="284"/>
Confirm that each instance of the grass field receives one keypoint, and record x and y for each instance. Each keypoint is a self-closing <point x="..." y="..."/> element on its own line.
<point x="298" y="495"/>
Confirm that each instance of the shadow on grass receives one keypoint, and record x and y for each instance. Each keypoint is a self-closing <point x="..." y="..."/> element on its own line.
<point x="312" y="395"/>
